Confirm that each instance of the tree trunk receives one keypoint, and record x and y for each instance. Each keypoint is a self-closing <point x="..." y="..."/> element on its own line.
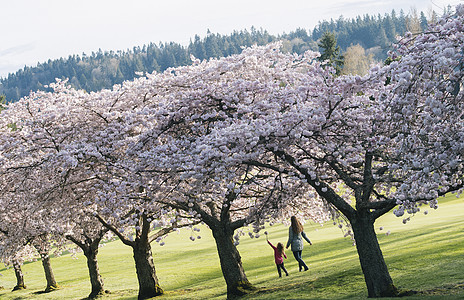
<point x="95" y="278"/>
<point x="51" y="283"/>
<point x="378" y="280"/>
<point x="145" y="268"/>
<point x="19" y="277"/>
<point x="89" y="246"/>
<point x="231" y="262"/>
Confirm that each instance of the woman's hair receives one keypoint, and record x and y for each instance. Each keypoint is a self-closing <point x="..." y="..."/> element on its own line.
<point x="280" y="248"/>
<point x="296" y="225"/>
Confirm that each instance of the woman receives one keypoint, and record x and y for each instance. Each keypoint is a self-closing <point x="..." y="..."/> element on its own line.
<point x="295" y="238"/>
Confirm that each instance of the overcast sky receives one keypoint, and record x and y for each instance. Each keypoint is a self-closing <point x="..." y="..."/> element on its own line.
<point x="34" y="31"/>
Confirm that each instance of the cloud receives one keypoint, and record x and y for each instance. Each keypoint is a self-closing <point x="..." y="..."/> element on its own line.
<point x="19" y="49"/>
<point x="16" y="57"/>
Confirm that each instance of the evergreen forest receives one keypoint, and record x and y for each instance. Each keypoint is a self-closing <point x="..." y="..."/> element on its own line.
<point x="103" y="69"/>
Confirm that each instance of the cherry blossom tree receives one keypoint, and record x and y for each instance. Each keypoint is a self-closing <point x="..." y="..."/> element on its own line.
<point x="425" y="104"/>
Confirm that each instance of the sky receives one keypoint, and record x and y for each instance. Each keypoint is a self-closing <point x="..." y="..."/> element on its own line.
<point x="33" y="31"/>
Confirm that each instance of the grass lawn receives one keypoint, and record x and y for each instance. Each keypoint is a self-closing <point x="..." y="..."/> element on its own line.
<point x="426" y="255"/>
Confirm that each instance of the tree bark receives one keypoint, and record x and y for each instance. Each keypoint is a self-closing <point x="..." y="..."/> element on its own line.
<point x="19" y="277"/>
<point x="144" y="265"/>
<point x="231" y="262"/>
<point x="51" y="283"/>
<point x="90" y="249"/>
<point x="376" y="275"/>
<point x="95" y="278"/>
<point x="145" y="268"/>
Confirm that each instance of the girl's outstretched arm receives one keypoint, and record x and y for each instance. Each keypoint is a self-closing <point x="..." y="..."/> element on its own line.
<point x="273" y="247"/>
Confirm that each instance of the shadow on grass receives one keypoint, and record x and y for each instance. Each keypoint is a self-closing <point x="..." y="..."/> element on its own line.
<point x="449" y="289"/>
<point x="131" y="294"/>
<point x="181" y="292"/>
<point x="288" y="287"/>
<point x="98" y="296"/>
<point x="310" y="290"/>
<point x="43" y="292"/>
<point x="435" y="232"/>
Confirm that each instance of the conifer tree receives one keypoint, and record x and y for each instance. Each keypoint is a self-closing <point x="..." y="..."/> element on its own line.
<point x="330" y="51"/>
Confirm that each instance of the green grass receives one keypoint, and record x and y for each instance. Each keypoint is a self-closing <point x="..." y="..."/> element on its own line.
<point x="426" y="255"/>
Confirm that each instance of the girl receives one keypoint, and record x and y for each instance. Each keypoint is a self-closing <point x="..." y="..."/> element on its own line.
<point x="279" y="260"/>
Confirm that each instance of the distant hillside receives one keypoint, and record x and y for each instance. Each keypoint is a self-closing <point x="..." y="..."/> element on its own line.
<point x="104" y="69"/>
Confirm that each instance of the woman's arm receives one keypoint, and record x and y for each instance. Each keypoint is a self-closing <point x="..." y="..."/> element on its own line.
<point x="290" y="236"/>
<point x="303" y="234"/>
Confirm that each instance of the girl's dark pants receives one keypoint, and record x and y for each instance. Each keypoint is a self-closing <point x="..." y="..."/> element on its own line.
<point x="281" y="267"/>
